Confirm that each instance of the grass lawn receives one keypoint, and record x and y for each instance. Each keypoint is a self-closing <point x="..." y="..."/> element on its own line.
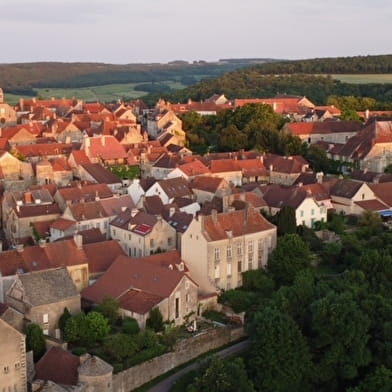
<point x="363" y="78"/>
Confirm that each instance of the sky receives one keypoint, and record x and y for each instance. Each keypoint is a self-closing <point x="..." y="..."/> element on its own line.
<point x="143" y="31"/>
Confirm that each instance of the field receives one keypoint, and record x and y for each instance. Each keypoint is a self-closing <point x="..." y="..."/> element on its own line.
<point x="106" y="93"/>
<point x="363" y="78"/>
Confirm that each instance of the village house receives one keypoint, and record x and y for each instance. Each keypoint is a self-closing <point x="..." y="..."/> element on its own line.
<point x="227" y="169"/>
<point x="13" y="169"/>
<point x="21" y="209"/>
<point x="349" y="197"/>
<point x="12" y="317"/>
<point x="307" y="209"/>
<point x="143" y="284"/>
<point x="141" y="234"/>
<point x="206" y="188"/>
<point x="81" y="193"/>
<point x="163" y="166"/>
<point x="370" y="148"/>
<point x="42" y="297"/>
<point x="96" y="173"/>
<point x="138" y="188"/>
<point x="56" y="171"/>
<point x="169" y="189"/>
<point x="327" y="131"/>
<point x="219" y="247"/>
<point x="189" y="170"/>
<point x="13" y="359"/>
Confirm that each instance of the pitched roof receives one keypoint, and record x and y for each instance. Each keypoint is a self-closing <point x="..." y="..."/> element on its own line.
<point x="94" y="366"/>
<point x="279" y="196"/>
<point x="176" y="187"/>
<point x="139" y="222"/>
<point x="180" y="221"/>
<point x="128" y="273"/>
<point x="101" y="174"/>
<point x="115" y="205"/>
<point x="85" y="192"/>
<point x="80" y="157"/>
<point x="194" y="168"/>
<point x="323" y="127"/>
<point x="59" y="366"/>
<point x="372" y="205"/>
<point x="138" y="301"/>
<point x="47" y="149"/>
<point x="383" y="192"/>
<point x="106" y="147"/>
<point x="346" y="188"/>
<point x="290" y="165"/>
<point x="87" y="211"/>
<point x="358" y="146"/>
<point x="47" y="287"/>
<point x="101" y="255"/>
<point x="217" y="227"/>
<point x="208" y="184"/>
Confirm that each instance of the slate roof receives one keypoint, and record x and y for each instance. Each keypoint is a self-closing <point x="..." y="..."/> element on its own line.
<point x="346" y="188"/>
<point x="94" y="366"/>
<point x="176" y="187"/>
<point x="47" y="287"/>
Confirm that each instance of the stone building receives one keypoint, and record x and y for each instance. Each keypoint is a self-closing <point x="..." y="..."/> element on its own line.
<point x="13" y="373"/>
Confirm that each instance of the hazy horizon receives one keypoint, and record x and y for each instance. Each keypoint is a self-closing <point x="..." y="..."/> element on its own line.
<point x="119" y="32"/>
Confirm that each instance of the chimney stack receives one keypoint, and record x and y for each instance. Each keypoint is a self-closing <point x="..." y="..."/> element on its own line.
<point x="78" y="239"/>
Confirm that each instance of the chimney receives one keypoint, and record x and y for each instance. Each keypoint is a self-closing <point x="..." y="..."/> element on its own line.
<point x="319" y="177"/>
<point x="300" y="184"/>
<point x="181" y="266"/>
<point x="367" y="114"/>
<point x="1" y="246"/>
<point x="78" y="239"/>
<point x="21" y="104"/>
<point x="96" y="196"/>
<point x="214" y="215"/>
<point x="42" y="243"/>
<point x="28" y="197"/>
<point x="134" y="212"/>
<point x="103" y="140"/>
<point x="172" y="210"/>
<point x="123" y="208"/>
<point x="19" y="248"/>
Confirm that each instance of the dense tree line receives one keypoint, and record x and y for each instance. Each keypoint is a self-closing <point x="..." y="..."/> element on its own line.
<point x="23" y="78"/>
<point x="319" y="315"/>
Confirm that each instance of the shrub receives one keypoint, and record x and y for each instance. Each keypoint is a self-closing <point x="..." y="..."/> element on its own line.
<point x="130" y="326"/>
<point x="79" y="351"/>
<point x="155" y="320"/>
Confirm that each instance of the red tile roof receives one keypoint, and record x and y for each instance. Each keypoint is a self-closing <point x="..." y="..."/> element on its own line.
<point x="106" y="147"/>
<point x="372" y="205"/>
<point x="59" y="366"/>
<point x="80" y="157"/>
<point x="127" y="273"/>
<point x="138" y="301"/>
<point x="195" y="168"/>
<point x="42" y="150"/>
<point x="323" y="127"/>
<point x="237" y="223"/>
<point x="209" y="184"/>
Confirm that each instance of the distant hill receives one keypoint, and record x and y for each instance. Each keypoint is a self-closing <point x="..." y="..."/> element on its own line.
<point x="22" y="78"/>
<point x="300" y="77"/>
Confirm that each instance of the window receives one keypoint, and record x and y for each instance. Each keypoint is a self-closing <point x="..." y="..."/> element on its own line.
<point x="239" y="267"/>
<point x="312" y="211"/>
<point x="250" y="246"/>
<point x="187" y="298"/>
<point x="177" y="307"/>
<point x="250" y="257"/>
<point x="129" y="237"/>
<point x="217" y="272"/>
<point x="302" y="213"/>
<point x="229" y="251"/>
<point x="46" y="332"/>
<point x="228" y="269"/>
<point x="6" y="369"/>
<point x="250" y="266"/>
<point x="114" y="231"/>
<point x="170" y="241"/>
<point x="217" y="254"/>
<point x="363" y="196"/>
<point x="45" y="317"/>
<point x="151" y="243"/>
<point x="239" y="249"/>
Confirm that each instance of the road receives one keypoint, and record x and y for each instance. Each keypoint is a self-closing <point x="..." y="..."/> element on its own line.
<point x="167" y="383"/>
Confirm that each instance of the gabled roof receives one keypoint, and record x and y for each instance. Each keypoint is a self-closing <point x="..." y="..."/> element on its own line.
<point x="114" y="205"/>
<point x="47" y="287"/>
<point x="176" y="187"/>
<point x="128" y="273"/>
<point x="208" y="184"/>
<point x="224" y="165"/>
<point x="135" y="221"/>
<point x="358" y="146"/>
<point x="346" y="188"/>
<point x="383" y="192"/>
<point x="217" y="227"/>
<point x="289" y="165"/>
<point x="106" y="147"/>
<point x="87" y="211"/>
<point x="80" y="157"/>
<point x="153" y="205"/>
<point x="85" y="193"/>
<point x="323" y="127"/>
<point x="101" y="255"/>
<point x="59" y="366"/>
<point x="194" y="168"/>
<point x="47" y="149"/>
<point x="180" y="221"/>
<point x="101" y="174"/>
<point x="279" y="196"/>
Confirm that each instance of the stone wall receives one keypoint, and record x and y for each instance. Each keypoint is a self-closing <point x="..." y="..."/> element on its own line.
<point x="185" y="350"/>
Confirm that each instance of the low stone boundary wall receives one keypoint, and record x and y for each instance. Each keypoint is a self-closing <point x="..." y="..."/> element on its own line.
<point x="185" y="350"/>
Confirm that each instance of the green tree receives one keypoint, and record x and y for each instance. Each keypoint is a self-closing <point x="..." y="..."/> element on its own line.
<point x="35" y="340"/>
<point x="279" y="356"/>
<point x="290" y="256"/>
<point x="155" y="320"/>
<point x="119" y="346"/>
<point x="388" y="168"/>
<point x="170" y="336"/>
<point x="339" y="338"/>
<point x="232" y="139"/>
<point x="63" y="319"/>
<point x="222" y="376"/>
<point x="350" y="115"/>
<point x="109" y="307"/>
<point x="286" y="221"/>
<point x="378" y="381"/>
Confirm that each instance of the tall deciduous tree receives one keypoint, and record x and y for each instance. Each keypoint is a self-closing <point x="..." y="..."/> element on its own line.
<point x="279" y="360"/>
<point x="290" y="256"/>
<point x="35" y="340"/>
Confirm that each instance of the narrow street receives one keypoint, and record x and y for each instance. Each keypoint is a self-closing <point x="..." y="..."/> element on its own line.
<point x="167" y="383"/>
